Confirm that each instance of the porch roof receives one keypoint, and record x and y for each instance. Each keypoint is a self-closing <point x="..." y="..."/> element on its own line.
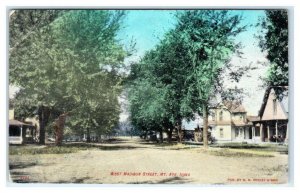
<point x="17" y="123"/>
<point x="240" y="123"/>
<point x="253" y="118"/>
<point x="233" y="123"/>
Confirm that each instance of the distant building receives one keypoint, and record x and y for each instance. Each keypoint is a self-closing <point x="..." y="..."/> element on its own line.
<point x="34" y="121"/>
<point x="272" y="125"/>
<point x="22" y="132"/>
<point x="11" y="114"/>
<point x="229" y="122"/>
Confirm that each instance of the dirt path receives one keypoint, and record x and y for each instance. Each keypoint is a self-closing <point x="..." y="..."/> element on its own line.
<point x="133" y="161"/>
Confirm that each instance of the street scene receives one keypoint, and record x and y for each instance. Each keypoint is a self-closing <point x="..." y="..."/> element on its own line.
<point x="148" y="97"/>
<point x="129" y="160"/>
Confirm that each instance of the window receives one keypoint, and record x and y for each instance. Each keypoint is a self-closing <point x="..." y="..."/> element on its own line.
<point x="237" y="132"/>
<point x="221" y="116"/>
<point x="257" y="131"/>
<point x="14" y="131"/>
<point x="221" y="133"/>
<point x="274" y="106"/>
<point x="213" y="116"/>
<point x="241" y="117"/>
<point x="28" y="132"/>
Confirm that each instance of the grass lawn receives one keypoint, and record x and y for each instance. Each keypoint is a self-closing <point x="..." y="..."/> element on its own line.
<point x="48" y="149"/>
<point x="225" y="149"/>
<point x="255" y="147"/>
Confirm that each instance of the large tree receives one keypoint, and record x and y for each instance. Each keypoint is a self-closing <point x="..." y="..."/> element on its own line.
<point x="148" y="106"/>
<point x="71" y="65"/>
<point x="31" y="68"/>
<point x="93" y="45"/>
<point x="209" y="38"/>
<point x="274" y="41"/>
<point x="190" y="62"/>
<point x="162" y="76"/>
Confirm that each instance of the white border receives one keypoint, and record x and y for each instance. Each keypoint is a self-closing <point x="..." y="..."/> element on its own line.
<point x="152" y="4"/>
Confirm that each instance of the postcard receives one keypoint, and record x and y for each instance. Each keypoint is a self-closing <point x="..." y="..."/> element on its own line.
<point x="149" y="96"/>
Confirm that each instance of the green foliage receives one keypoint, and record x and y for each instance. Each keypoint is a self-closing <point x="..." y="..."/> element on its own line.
<point x="274" y="42"/>
<point x="24" y="22"/>
<point x="72" y="65"/>
<point x="209" y="41"/>
<point x="180" y="76"/>
<point x="22" y="105"/>
<point x="186" y="65"/>
<point x="148" y="105"/>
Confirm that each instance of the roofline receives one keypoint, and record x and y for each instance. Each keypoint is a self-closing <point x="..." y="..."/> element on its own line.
<point x="227" y="109"/>
<point x="265" y="99"/>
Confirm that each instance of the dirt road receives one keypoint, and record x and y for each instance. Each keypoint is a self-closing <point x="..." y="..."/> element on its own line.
<point x="135" y="161"/>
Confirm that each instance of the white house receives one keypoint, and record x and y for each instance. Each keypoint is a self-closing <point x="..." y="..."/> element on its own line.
<point x="229" y="122"/>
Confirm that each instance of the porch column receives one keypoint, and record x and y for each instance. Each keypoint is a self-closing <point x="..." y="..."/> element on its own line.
<point x="276" y="127"/>
<point x="261" y="132"/>
<point x="268" y="132"/>
<point x="22" y="134"/>
<point x="287" y="133"/>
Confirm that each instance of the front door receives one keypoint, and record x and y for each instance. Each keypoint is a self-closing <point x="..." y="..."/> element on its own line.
<point x="239" y="133"/>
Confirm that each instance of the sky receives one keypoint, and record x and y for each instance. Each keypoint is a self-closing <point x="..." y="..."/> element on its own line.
<point x="147" y="27"/>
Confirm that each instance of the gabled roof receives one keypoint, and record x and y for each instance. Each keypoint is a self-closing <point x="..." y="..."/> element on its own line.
<point x="234" y="106"/>
<point x="283" y="99"/>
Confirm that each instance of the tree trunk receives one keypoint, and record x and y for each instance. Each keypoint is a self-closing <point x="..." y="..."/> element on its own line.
<point x="42" y="129"/>
<point x="205" y="126"/>
<point x="170" y="134"/>
<point x="179" y="131"/>
<point x="44" y="114"/>
<point x="161" y="136"/>
<point x="88" y="135"/>
<point x="59" y="125"/>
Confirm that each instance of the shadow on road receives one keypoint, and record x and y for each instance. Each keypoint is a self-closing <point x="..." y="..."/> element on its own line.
<point x="117" y="147"/>
<point x="106" y="147"/>
<point x="72" y="181"/>
<point x="18" y="176"/>
<point x="22" y="165"/>
<point x="174" y="180"/>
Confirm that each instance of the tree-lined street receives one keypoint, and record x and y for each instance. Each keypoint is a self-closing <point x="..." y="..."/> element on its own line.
<point x="83" y="80"/>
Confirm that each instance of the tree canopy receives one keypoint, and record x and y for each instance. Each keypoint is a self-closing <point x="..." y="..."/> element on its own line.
<point x="187" y="65"/>
<point x="71" y="65"/>
<point x="274" y="41"/>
